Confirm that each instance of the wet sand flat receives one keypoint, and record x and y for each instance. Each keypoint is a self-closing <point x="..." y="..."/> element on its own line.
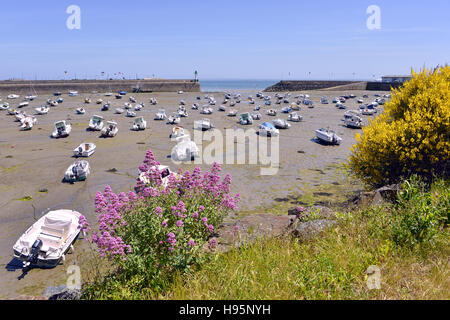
<point x="32" y="164"/>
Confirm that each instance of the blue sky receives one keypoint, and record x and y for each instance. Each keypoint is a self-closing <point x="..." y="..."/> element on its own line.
<point x="231" y="39"/>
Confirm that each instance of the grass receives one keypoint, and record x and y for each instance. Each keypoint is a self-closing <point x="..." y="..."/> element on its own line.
<point x="333" y="266"/>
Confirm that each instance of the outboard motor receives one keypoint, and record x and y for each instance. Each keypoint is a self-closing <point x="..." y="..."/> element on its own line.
<point x="34" y="253"/>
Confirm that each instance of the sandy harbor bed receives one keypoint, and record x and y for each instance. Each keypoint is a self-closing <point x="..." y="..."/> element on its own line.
<point x="32" y="164"/>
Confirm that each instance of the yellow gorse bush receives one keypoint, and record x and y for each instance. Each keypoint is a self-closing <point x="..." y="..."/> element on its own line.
<point x="412" y="136"/>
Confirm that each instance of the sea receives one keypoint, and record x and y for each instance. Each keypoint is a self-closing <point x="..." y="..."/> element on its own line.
<point x="235" y="85"/>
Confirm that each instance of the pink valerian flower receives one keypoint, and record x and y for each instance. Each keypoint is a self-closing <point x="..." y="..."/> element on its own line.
<point x="195" y="215"/>
<point x="212" y="244"/>
<point x="201" y="208"/>
<point x="191" y="243"/>
<point x="210" y="228"/>
<point x="180" y="224"/>
<point x="171" y="239"/>
<point x="83" y="224"/>
<point x="300" y="209"/>
<point x="164" y="224"/>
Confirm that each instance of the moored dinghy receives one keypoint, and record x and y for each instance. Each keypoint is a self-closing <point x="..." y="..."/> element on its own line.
<point x="178" y="133"/>
<point x="110" y="130"/>
<point x="267" y="129"/>
<point x="27" y="123"/>
<point x="84" y="150"/>
<point x="139" y="124"/>
<point x="203" y="124"/>
<point x="46" y="242"/>
<point x="352" y="119"/>
<point x="245" y="119"/>
<point x="295" y="117"/>
<point x="42" y="109"/>
<point x="328" y="136"/>
<point x="174" y="119"/>
<point x="185" y="150"/>
<point x="96" y="123"/>
<point x="281" y="124"/>
<point x="62" y="129"/>
<point x="160" y="115"/>
<point x="77" y="171"/>
<point x="80" y="110"/>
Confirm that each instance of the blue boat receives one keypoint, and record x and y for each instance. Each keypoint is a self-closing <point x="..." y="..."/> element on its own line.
<point x="122" y="93"/>
<point x="60" y="100"/>
<point x="57" y="93"/>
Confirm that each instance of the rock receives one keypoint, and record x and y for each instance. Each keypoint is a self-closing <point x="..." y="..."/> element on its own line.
<point x="252" y="227"/>
<point x="52" y="290"/>
<point x="25" y="297"/>
<point x="321" y="211"/>
<point x="67" y="294"/>
<point x="310" y="229"/>
<point x="386" y="194"/>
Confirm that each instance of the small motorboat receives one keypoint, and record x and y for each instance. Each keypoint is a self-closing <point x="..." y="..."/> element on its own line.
<point x="180" y="92"/>
<point x="182" y="112"/>
<point x="127" y="105"/>
<point x="203" y="124"/>
<point x="174" y="119"/>
<point x="62" y="129"/>
<point x="96" y="123"/>
<point x="368" y="110"/>
<point x="99" y="101"/>
<point x="12" y="111"/>
<point x="266" y="129"/>
<point x="87" y="100"/>
<point x="164" y="172"/>
<point x="132" y="99"/>
<point x="286" y="109"/>
<point x="137" y="107"/>
<point x="60" y="100"/>
<point x="118" y="96"/>
<point x="105" y="107"/>
<point x="232" y="113"/>
<point x="324" y="100"/>
<point x="52" y="103"/>
<point x="194" y="106"/>
<point x="257" y="108"/>
<point x="267" y="102"/>
<point x="360" y="101"/>
<point x="122" y="92"/>
<point x="23" y="104"/>
<point x="80" y="110"/>
<point x="27" y="123"/>
<point x="77" y="171"/>
<point x="328" y="136"/>
<point x="245" y="118"/>
<point x="110" y="130"/>
<point x="119" y="110"/>
<point x="153" y="101"/>
<point x="308" y="103"/>
<point x="4" y="106"/>
<point x="42" y="109"/>
<point x="256" y="115"/>
<point x="20" y="115"/>
<point x="161" y="114"/>
<point x="47" y="241"/>
<point x="139" y="124"/>
<point x="130" y="114"/>
<point x="222" y="108"/>
<point x="108" y="94"/>
<point x="352" y="119"/>
<point x="295" y="106"/>
<point x="84" y="150"/>
<point x="178" y="133"/>
<point x="206" y="110"/>
<point x="182" y="102"/>
<point x="232" y="104"/>
<point x="271" y="112"/>
<point x="185" y="150"/>
<point x="57" y="93"/>
<point x="295" y="117"/>
<point x="73" y="93"/>
<point x="12" y="96"/>
<point x="281" y="124"/>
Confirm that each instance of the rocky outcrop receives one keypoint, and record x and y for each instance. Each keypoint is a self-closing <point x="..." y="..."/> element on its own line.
<point x="386" y="194"/>
<point x="308" y="230"/>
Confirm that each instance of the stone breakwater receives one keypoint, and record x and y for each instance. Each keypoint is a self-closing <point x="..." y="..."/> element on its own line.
<point x="301" y="85"/>
<point x="49" y="86"/>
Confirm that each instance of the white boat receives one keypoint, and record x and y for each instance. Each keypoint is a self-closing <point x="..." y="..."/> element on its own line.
<point x="87" y="100"/>
<point x="73" y="93"/>
<point x="182" y="102"/>
<point x="130" y="114"/>
<point x="52" y="103"/>
<point x="99" y="101"/>
<point x="203" y="124"/>
<point x="110" y="130"/>
<point x="174" y="119"/>
<point x="47" y="241"/>
<point x="119" y="110"/>
<point x="323" y="100"/>
<point x="42" y="109"/>
<point x="295" y="117"/>
<point x="164" y="171"/>
<point x="206" y="110"/>
<point x="84" y="150"/>
<point x="77" y="171"/>
<point x="127" y="105"/>
<point x="360" y="101"/>
<point x="232" y="113"/>
<point x="137" y="107"/>
<point x="194" y="106"/>
<point x="30" y="97"/>
<point x="281" y="124"/>
<point x="267" y="129"/>
<point x="153" y="101"/>
<point x="368" y="110"/>
<point x="62" y="129"/>
<point x="132" y="99"/>
<point x="222" y="108"/>
<point x="27" y="123"/>
<point x="271" y="112"/>
<point x="161" y="114"/>
<point x="178" y="133"/>
<point x="182" y="112"/>
<point x="257" y="108"/>
<point x="185" y="150"/>
<point x="180" y="92"/>
<point x="256" y="115"/>
<point x="80" y="110"/>
<point x="20" y="115"/>
<point x="108" y="94"/>
<point x="352" y="119"/>
<point x="295" y="106"/>
<point x="245" y="119"/>
<point x="23" y="104"/>
<point x="139" y="124"/>
<point x="328" y="136"/>
<point x="96" y="123"/>
<point x="12" y="96"/>
<point x="232" y="104"/>
<point x="4" y="106"/>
